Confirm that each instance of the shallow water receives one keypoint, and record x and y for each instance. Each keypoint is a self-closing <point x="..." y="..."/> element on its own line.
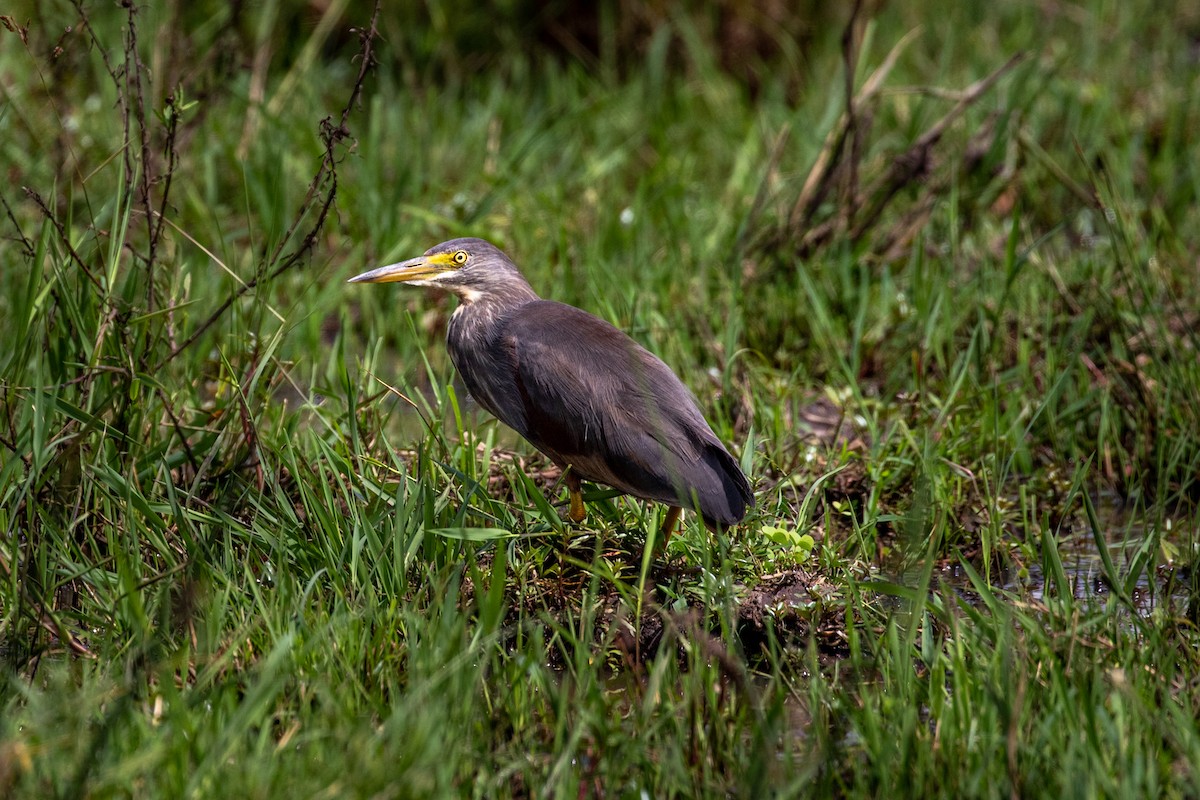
<point x="1160" y="556"/>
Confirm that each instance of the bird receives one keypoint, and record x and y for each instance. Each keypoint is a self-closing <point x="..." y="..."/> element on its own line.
<point x="600" y="406"/>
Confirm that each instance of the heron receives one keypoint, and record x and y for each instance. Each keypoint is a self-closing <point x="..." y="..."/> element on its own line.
<point x="600" y="406"/>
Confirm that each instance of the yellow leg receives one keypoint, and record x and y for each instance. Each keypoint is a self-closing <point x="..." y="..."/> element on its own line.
<point x="577" y="513"/>
<point x="669" y="523"/>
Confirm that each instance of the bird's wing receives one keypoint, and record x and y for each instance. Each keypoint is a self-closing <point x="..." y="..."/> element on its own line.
<point x="594" y="398"/>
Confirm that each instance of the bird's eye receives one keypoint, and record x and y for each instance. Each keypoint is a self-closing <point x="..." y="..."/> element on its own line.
<point x="460" y="257"/>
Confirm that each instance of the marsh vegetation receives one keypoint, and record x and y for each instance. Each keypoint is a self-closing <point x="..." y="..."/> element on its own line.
<point x="930" y="270"/>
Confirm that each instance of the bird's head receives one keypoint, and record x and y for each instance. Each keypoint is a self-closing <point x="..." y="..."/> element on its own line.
<point x="471" y="268"/>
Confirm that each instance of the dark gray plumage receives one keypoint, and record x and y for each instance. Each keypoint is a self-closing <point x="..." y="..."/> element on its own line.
<point x="593" y="400"/>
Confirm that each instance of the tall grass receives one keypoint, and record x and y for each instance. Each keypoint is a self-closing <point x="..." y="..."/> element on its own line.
<point x="256" y="540"/>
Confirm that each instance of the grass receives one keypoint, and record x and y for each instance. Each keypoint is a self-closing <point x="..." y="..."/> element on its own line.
<point x="255" y="540"/>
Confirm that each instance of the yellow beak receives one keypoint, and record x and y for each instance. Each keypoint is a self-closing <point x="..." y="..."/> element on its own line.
<point x="414" y="269"/>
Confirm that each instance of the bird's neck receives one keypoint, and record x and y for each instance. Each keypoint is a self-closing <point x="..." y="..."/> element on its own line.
<point x="478" y="311"/>
<point x="511" y="295"/>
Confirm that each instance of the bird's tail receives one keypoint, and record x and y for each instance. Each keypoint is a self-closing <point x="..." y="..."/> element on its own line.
<point x="724" y="501"/>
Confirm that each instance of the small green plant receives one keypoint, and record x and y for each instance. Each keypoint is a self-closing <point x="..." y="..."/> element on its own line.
<point x="798" y="546"/>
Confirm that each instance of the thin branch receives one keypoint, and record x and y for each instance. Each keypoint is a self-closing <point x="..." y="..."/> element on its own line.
<point x="325" y="179"/>
<point x="915" y="160"/>
<point x="27" y="249"/>
<point x="851" y="40"/>
<point x="178" y="428"/>
<point x="817" y="184"/>
<point x="62" y="236"/>
<point x="133" y="71"/>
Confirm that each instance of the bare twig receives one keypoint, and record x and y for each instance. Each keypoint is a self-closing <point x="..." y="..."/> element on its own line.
<point x="53" y="626"/>
<point x="62" y="236"/>
<point x="114" y="74"/>
<point x="178" y="428"/>
<point x="817" y="184"/>
<point x="171" y="112"/>
<point x="851" y="39"/>
<point x="97" y="43"/>
<point x="840" y="158"/>
<point x="323" y="186"/>
<point x="26" y="245"/>
<point x="132" y="73"/>
<point x="914" y="161"/>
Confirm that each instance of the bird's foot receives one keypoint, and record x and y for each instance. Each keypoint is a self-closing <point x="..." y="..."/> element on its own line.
<point x="576" y="513"/>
